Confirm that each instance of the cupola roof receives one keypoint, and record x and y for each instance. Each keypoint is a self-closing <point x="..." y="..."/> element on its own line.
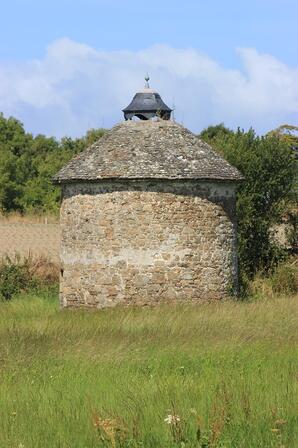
<point x="146" y="104"/>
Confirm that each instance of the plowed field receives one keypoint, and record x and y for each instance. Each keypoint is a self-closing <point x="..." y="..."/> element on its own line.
<point x="24" y="238"/>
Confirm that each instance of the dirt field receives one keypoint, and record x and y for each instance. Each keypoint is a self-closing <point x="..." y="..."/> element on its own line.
<point x="26" y="236"/>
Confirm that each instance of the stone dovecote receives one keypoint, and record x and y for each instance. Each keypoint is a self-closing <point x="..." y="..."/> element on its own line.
<point x="147" y="215"/>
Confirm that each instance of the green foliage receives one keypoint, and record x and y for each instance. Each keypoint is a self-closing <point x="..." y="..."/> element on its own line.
<point x="24" y="274"/>
<point x="288" y="133"/>
<point x="14" y="278"/>
<point x="213" y="132"/>
<point x="28" y="163"/>
<point x="268" y="165"/>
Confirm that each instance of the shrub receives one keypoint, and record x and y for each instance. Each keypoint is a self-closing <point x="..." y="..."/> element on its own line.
<point x="14" y="277"/>
<point x="44" y="271"/>
<point x="24" y="274"/>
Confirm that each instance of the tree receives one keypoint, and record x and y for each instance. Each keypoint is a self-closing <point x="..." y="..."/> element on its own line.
<point x="14" y="142"/>
<point x="269" y="169"/>
<point x="28" y="163"/>
<point x="289" y="135"/>
<point x="214" y="132"/>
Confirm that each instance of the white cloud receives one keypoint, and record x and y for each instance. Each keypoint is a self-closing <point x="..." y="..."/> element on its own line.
<point x="76" y="87"/>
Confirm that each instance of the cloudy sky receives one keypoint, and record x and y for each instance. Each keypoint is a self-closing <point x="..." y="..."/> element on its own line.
<point x="67" y="66"/>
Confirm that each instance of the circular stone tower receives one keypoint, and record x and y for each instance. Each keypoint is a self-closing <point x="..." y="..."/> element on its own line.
<point x="147" y="215"/>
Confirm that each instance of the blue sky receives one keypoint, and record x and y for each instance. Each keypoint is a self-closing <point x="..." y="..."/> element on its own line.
<point x="69" y="65"/>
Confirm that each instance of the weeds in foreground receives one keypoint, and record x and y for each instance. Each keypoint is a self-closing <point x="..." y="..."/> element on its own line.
<point x="115" y="433"/>
<point x="111" y="431"/>
<point x="283" y="280"/>
<point x="190" y="430"/>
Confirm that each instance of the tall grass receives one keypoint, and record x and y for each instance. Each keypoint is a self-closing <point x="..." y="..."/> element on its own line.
<point x="213" y="375"/>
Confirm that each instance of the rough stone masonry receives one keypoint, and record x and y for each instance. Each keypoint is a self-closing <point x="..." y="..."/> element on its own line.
<point x="147" y="215"/>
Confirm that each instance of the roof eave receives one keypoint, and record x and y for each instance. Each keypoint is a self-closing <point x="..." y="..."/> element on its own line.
<point x="61" y="181"/>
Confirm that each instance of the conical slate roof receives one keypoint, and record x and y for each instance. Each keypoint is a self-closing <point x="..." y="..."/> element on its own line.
<point x="148" y="150"/>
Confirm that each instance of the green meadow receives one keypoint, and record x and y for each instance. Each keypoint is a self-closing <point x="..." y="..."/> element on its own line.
<point x="208" y="375"/>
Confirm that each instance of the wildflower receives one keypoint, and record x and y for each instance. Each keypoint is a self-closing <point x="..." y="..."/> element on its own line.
<point x="172" y="419"/>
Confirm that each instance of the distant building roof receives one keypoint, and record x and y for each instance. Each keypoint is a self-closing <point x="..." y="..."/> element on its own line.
<point x="148" y="150"/>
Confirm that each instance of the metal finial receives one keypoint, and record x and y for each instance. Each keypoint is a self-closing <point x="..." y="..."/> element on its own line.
<point x="147" y="81"/>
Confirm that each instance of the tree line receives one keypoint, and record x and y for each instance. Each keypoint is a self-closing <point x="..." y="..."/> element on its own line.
<point x="28" y="163"/>
<point x="269" y="164"/>
<point x="266" y="197"/>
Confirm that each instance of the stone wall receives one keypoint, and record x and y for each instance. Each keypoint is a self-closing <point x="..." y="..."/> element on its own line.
<point x="143" y="242"/>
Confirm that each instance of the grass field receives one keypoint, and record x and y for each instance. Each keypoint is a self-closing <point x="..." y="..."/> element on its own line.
<point x="213" y="375"/>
